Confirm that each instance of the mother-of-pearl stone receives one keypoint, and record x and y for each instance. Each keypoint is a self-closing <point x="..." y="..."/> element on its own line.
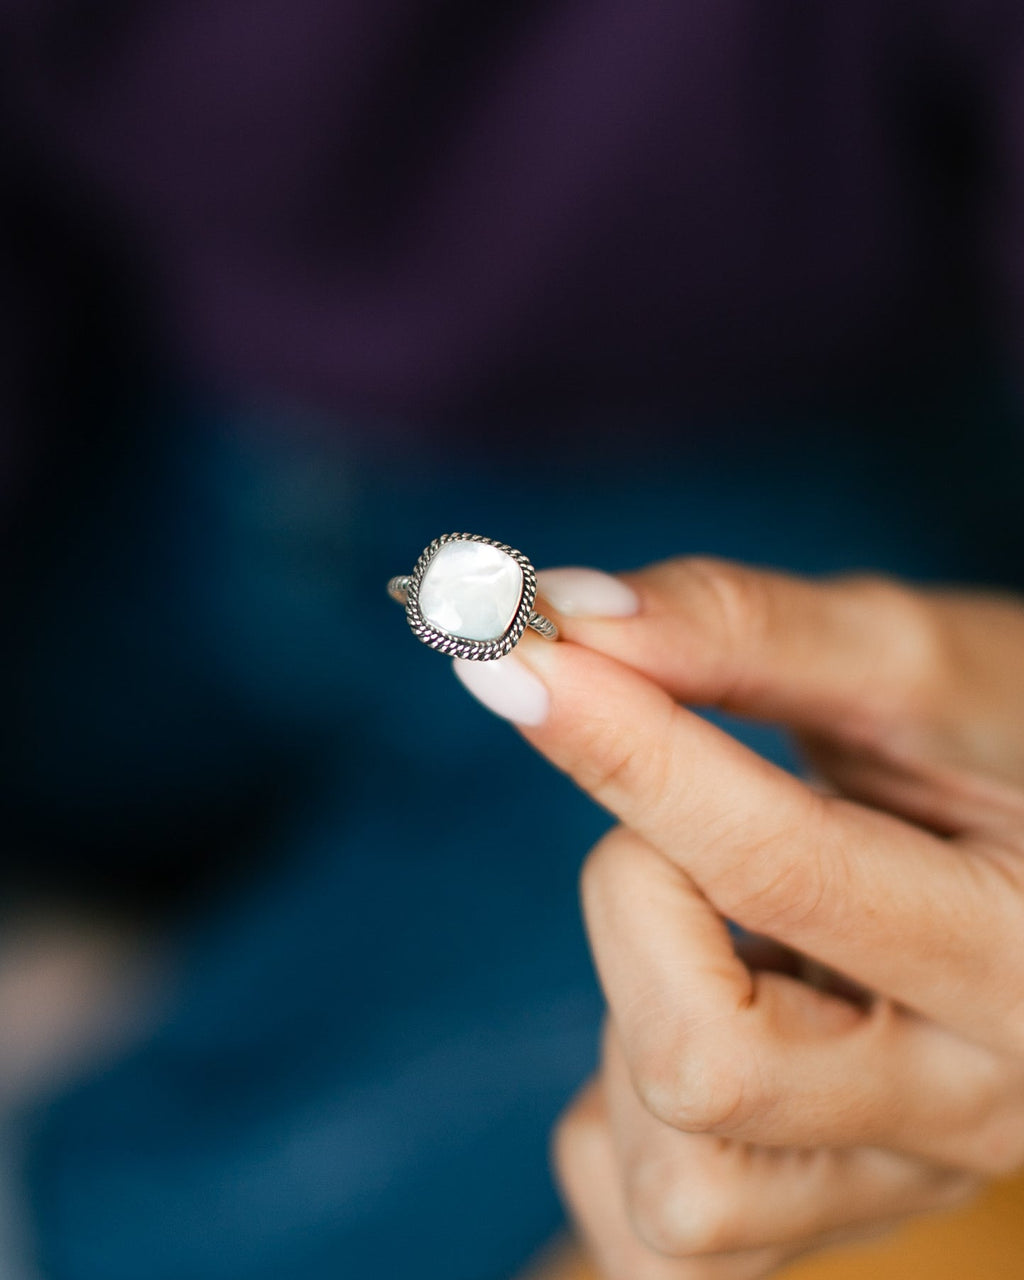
<point x="471" y="590"/>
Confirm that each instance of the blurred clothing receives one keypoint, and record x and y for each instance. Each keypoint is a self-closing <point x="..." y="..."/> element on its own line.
<point x="432" y="208"/>
<point x="379" y="1013"/>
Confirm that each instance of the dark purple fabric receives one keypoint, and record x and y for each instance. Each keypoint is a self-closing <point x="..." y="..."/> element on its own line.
<point x="431" y="207"/>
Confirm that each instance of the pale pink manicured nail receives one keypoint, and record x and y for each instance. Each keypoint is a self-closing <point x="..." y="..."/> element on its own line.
<point x="585" y="593"/>
<point x="507" y="687"/>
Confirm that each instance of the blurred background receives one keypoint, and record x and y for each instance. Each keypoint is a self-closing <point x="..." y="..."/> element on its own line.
<point x="292" y="980"/>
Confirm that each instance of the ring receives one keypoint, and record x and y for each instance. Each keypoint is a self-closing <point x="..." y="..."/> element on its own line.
<point x="471" y="597"/>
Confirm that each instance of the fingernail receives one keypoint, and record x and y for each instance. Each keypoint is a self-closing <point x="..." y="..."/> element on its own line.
<point x="586" y="593"/>
<point x="507" y="687"/>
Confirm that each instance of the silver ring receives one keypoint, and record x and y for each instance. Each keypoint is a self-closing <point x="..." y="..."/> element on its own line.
<point x="471" y="597"/>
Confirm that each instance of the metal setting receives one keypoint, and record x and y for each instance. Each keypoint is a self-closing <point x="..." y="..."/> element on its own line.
<point x="405" y="590"/>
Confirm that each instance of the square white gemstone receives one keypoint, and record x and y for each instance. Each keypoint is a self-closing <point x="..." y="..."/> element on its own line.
<point x="471" y="590"/>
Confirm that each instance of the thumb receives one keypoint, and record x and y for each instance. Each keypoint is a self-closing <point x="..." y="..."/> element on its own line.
<point x="858" y="659"/>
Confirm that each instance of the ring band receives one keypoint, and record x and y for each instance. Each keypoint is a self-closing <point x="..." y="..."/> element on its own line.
<point x="471" y="597"/>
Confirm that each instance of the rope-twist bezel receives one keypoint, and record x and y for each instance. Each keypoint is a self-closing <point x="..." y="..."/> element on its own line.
<point x="405" y="589"/>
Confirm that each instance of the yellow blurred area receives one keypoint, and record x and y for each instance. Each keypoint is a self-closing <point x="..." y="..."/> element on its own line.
<point x="982" y="1242"/>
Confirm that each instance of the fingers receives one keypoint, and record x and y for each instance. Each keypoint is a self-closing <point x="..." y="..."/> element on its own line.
<point x="693" y="1194"/>
<point x="861" y="660"/>
<point x="688" y="1224"/>
<point x="591" y="1183"/>
<point x="836" y="881"/>
<point x="906" y="679"/>
<point x="853" y="657"/>
<point x="939" y="797"/>
<point x="761" y="1057"/>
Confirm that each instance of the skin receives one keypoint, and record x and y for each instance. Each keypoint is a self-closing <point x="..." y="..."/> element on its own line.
<point x="861" y="1058"/>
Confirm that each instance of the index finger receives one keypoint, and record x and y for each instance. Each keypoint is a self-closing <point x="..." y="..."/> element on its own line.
<point x="894" y="907"/>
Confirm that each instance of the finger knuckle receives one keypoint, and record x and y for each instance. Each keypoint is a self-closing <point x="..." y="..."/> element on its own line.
<point x="909" y="666"/>
<point x="578" y="1131"/>
<point x="701" y="1086"/>
<point x="789" y="873"/>
<point x="596" y="872"/>
<point x="990" y="1125"/>
<point x="612" y="764"/>
<point x="679" y="1214"/>
<point x="573" y="1134"/>
<point x="608" y="875"/>
<point x="563" y="1143"/>
<point x="734" y="602"/>
<point x="576" y="1134"/>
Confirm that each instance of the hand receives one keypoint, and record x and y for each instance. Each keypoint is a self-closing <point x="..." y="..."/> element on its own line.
<point x="743" y="1116"/>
